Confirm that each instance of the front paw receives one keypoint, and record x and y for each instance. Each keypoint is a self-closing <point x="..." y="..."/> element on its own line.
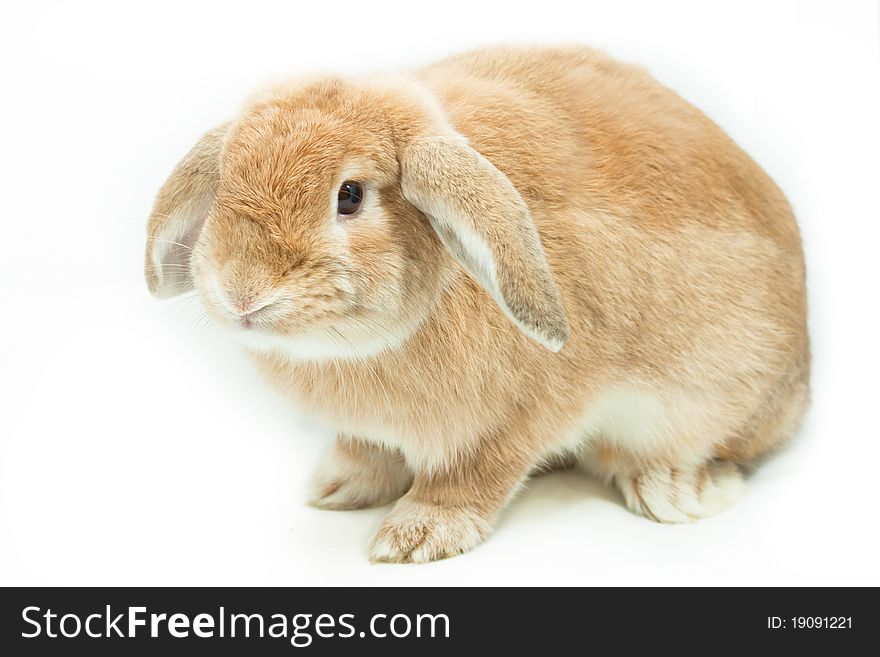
<point x="416" y="532"/>
<point x="356" y="476"/>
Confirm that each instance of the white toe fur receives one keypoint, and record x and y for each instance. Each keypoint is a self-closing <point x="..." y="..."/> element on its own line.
<point x="674" y="495"/>
<point x="418" y="533"/>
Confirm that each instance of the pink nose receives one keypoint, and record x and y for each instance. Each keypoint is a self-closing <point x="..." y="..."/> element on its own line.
<point x="243" y="304"/>
<point x="244" y="294"/>
<point x="247" y="307"/>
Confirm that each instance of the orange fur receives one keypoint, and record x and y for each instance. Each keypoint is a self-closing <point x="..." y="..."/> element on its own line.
<point x="668" y="263"/>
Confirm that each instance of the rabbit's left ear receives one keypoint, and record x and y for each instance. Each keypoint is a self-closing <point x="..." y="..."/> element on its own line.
<point x="485" y="225"/>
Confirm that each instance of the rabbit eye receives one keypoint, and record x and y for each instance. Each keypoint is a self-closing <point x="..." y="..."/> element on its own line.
<point x="350" y="196"/>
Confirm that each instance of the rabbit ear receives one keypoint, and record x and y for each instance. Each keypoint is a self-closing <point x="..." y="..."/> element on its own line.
<point x="485" y="225"/>
<point x="178" y="215"/>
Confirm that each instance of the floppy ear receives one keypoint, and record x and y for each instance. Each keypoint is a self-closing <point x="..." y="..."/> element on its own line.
<point x="485" y="225"/>
<point x="178" y="214"/>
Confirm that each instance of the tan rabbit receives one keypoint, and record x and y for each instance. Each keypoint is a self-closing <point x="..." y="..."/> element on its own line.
<point x="510" y="257"/>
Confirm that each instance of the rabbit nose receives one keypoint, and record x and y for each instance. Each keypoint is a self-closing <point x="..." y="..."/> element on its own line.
<point x="242" y="290"/>
<point x="250" y="313"/>
<point x="244" y="303"/>
<point x="248" y="308"/>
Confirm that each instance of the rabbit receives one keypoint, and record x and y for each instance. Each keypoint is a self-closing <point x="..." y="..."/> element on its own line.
<point x="513" y="257"/>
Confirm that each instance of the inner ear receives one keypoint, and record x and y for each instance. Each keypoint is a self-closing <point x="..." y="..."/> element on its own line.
<point x="167" y="268"/>
<point x="486" y="227"/>
<point x="179" y="214"/>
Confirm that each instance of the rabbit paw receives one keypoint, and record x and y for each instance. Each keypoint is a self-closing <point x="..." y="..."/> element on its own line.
<point x="358" y="478"/>
<point x="415" y="532"/>
<point x="672" y="495"/>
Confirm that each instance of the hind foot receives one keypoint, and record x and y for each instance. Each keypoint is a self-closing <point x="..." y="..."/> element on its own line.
<point x="674" y="495"/>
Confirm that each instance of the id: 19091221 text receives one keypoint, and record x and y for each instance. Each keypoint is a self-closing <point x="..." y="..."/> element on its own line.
<point x="809" y="623"/>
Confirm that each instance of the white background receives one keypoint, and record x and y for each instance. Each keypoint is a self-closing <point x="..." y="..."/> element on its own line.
<point x="139" y="447"/>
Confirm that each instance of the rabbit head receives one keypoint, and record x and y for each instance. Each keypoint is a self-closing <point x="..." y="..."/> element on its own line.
<point x="328" y="218"/>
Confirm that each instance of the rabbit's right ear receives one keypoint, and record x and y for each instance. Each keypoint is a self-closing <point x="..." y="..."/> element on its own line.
<point x="178" y="215"/>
